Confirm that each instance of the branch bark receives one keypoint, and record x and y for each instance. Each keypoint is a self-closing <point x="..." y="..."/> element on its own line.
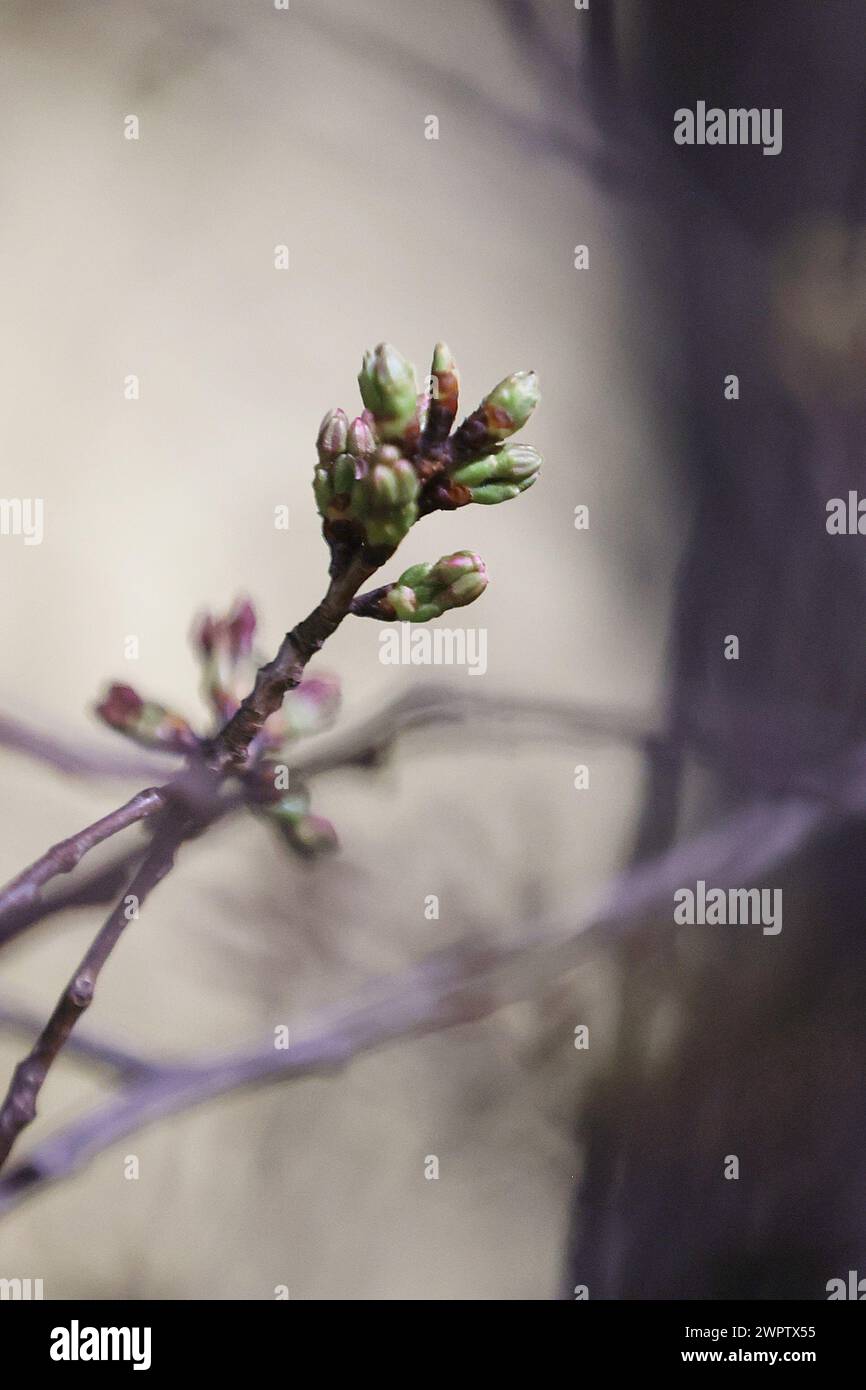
<point x="97" y="888"/>
<point x="19" y="1106"/>
<point x="23" y="891"/>
<point x="97" y="1051"/>
<point x="232" y="745"/>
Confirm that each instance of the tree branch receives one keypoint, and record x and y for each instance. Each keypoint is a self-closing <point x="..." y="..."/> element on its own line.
<point x="199" y="787"/>
<point x="19" y="1106"/>
<point x="63" y="757"/>
<point x="453" y="987"/>
<point x="96" y="1050"/>
<point x="233" y="743"/>
<point x="99" y="887"/>
<point x="21" y="892"/>
<point x="426" y="706"/>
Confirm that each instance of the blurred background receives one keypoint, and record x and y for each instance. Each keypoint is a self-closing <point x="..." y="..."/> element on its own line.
<point x="155" y="257"/>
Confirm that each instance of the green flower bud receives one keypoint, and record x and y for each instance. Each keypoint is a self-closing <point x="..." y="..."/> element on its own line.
<point x="331" y="439"/>
<point x="503" y="411"/>
<point x="322" y="490"/>
<point x="428" y="590"/>
<point x="306" y="833"/>
<point x="332" y="484"/>
<point x="343" y="474"/>
<point x="313" y="835"/>
<point x="500" y="476"/>
<point x="384" y="498"/>
<point x="389" y="390"/>
<point x="510" y="404"/>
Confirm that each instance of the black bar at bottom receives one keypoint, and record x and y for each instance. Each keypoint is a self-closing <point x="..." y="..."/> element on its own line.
<point x="70" y="1338"/>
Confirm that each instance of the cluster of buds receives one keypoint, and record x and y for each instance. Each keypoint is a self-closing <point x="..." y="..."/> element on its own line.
<point x="376" y="475"/>
<point x="225" y="648"/>
<point x="364" y="485"/>
<point x="399" y="461"/>
<point x="426" y="591"/>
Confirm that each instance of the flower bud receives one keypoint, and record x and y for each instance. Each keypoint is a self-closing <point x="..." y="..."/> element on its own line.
<point x="442" y="403"/>
<point x="224" y="647"/>
<point x="510" y="404"/>
<point x="331" y="440"/>
<point x="322" y="489"/>
<point x="306" y="833"/>
<point x="361" y="440"/>
<point x="145" y="721"/>
<point x="384" y="498"/>
<point x="312" y="706"/>
<point x="240" y="627"/>
<point x="203" y="635"/>
<point x="428" y="590"/>
<point x="332" y="485"/>
<point x="312" y="835"/>
<point x="503" y="411"/>
<point x="500" y="476"/>
<point x="389" y="390"/>
<point x="121" y="707"/>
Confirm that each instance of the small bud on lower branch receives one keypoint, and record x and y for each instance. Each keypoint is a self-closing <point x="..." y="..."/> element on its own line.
<point x="224" y="646"/>
<point x="426" y="591"/>
<point x="302" y="830"/>
<point x="240" y="627"/>
<point x="145" y="721"/>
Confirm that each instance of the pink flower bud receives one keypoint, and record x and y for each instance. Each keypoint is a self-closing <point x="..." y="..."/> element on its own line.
<point x="241" y="627"/>
<point x="121" y="707"/>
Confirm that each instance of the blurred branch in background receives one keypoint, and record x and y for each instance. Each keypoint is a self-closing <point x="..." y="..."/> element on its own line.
<point x="447" y="989"/>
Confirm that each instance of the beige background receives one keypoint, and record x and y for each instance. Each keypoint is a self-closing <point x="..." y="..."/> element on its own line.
<point x="156" y="257"/>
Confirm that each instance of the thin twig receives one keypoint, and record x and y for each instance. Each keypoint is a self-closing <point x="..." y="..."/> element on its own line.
<point x="57" y="753"/>
<point x="426" y="706"/>
<point x="90" y="1049"/>
<point x="273" y="681"/>
<point x="19" y="1106"/>
<point x="99" y="887"/>
<point x="62" y="858"/>
<point x="196" y="788"/>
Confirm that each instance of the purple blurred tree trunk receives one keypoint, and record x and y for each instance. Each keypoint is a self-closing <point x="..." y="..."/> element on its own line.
<point x="761" y="273"/>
